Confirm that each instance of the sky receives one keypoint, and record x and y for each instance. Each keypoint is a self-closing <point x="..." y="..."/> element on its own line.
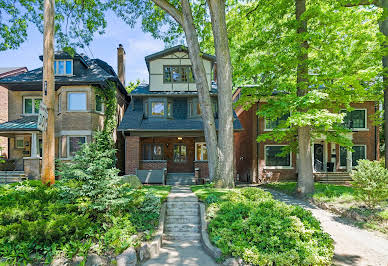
<point x="137" y="45"/>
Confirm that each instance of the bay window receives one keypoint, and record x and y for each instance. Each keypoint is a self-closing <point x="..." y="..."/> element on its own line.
<point x="76" y="101"/>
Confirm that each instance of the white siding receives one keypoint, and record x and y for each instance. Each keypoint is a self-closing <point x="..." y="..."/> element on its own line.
<point x="179" y="58"/>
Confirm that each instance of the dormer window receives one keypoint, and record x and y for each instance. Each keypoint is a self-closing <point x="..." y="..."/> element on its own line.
<point x="178" y="74"/>
<point x="63" y="67"/>
<point x="158" y="107"/>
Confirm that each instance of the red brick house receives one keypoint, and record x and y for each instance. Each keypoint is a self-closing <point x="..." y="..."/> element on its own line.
<point x="256" y="162"/>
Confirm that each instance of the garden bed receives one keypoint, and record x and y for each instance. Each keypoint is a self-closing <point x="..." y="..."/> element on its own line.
<point x="248" y="223"/>
<point x="37" y="224"/>
<point x="342" y="201"/>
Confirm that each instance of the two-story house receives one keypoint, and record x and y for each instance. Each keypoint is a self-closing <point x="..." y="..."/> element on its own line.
<point x="79" y="110"/>
<point x="163" y="126"/>
<point x="330" y="162"/>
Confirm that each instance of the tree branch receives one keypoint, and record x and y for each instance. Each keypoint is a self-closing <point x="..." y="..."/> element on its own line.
<point x="364" y="3"/>
<point x="170" y="9"/>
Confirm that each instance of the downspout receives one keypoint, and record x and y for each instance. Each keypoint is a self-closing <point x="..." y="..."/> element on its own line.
<point x="258" y="143"/>
<point x="376" y="135"/>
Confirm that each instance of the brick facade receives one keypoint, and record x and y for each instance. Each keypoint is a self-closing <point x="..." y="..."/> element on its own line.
<point x="132" y="154"/>
<point x="153" y="165"/>
<point x="203" y="168"/>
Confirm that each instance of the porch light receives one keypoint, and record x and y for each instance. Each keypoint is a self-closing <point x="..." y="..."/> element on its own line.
<point x="180" y="138"/>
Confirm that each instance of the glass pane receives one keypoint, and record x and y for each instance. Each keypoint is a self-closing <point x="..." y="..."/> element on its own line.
<point x="28" y="106"/>
<point x="68" y="67"/>
<point x="204" y="152"/>
<point x="61" y="67"/>
<point x="176" y="75"/>
<point x="167" y="74"/>
<point x="190" y="75"/>
<point x="199" y="152"/>
<point x="273" y="160"/>
<point x="179" y="153"/>
<point x="158" y="108"/>
<point x="157" y="152"/>
<point x="169" y="109"/>
<point x="358" y="154"/>
<point x="98" y="103"/>
<point x="75" y="144"/>
<point x="358" y="118"/>
<point x="19" y="143"/>
<point x="271" y="124"/>
<point x="76" y="101"/>
<point x="183" y="71"/>
<point x="36" y="105"/>
<point x="198" y="109"/>
<point x="55" y="67"/>
<point x="343" y="156"/>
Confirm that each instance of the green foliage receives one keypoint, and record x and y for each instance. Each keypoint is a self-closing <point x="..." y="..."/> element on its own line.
<point x="248" y="223"/>
<point x="370" y="182"/>
<point x="132" y="180"/>
<point x="132" y="85"/>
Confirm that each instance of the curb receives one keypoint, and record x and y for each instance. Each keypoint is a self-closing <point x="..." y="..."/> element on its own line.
<point x="209" y="248"/>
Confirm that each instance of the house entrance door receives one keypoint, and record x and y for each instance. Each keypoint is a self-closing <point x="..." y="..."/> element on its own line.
<point x="181" y="161"/>
<point x="318" y="157"/>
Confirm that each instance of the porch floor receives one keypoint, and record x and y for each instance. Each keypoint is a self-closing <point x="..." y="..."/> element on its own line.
<point x="179" y="179"/>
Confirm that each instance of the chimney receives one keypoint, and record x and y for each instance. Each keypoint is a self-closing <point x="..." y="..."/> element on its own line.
<point x="121" y="63"/>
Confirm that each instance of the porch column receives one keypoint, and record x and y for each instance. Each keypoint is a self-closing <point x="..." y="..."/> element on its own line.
<point x="34" y="149"/>
<point x="348" y="160"/>
<point x="132" y="154"/>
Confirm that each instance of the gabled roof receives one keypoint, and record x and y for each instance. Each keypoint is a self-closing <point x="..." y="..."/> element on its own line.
<point x="10" y="71"/>
<point x="98" y="72"/>
<point x="27" y="123"/>
<point x="144" y="90"/>
<point x="178" y="48"/>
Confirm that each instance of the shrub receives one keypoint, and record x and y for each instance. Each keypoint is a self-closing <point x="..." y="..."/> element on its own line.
<point x="132" y="180"/>
<point x="370" y="182"/>
<point x="262" y="231"/>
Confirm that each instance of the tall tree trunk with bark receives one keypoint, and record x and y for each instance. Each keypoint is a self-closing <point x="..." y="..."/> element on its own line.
<point x="384" y="30"/>
<point x="225" y="102"/>
<point x="305" y="170"/>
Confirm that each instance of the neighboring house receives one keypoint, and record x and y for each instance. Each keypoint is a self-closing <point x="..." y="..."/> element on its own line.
<point x="79" y="111"/>
<point x="258" y="161"/>
<point x="163" y="127"/>
<point x="6" y="72"/>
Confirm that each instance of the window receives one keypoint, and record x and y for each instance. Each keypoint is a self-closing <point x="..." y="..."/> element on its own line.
<point x="99" y="104"/>
<point x="169" y="109"/>
<point x="63" y="67"/>
<point x="200" y="151"/>
<point x="157" y="108"/>
<point x="19" y="142"/>
<point x="59" y="102"/>
<point x="194" y="109"/>
<point x="31" y="105"/>
<point x="355" y="119"/>
<point x="271" y="124"/>
<point x="152" y="151"/>
<point x="359" y="153"/>
<point x="178" y="74"/>
<point x="180" y="154"/>
<point x="76" y="101"/>
<point x="75" y="144"/>
<point x="273" y="158"/>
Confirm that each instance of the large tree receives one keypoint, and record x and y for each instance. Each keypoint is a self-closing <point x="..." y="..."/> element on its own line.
<point x="182" y="18"/>
<point x="315" y="57"/>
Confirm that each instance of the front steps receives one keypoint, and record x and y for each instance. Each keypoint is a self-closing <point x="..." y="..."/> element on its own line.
<point x="182" y="220"/>
<point x="180" y="179"/>
<point x="7" y="177"/>
<point x="333" y="178"/>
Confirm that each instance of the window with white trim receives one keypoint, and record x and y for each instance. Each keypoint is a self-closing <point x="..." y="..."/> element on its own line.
<point x="178" y="74"/>
<point x="31" y="105"/>
<point x="74" y="144"/>
<point x="271" y="124"/>
<point x="76" y="101"/>
<point x="273" y="158"/>
<point x="19" y="142"/>
<point x="356" y="119"/>
<point x="359" y="153"/>
<point x="200" y="151"/>
<point x="63" y="67"/>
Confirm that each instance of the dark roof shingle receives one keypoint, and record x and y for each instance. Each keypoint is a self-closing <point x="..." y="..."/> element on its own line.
<point x="26" y="123"/>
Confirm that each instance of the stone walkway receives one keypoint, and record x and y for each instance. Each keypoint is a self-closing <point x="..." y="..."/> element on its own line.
<point x="353" y="246"/>
<point x="181" y="238"/>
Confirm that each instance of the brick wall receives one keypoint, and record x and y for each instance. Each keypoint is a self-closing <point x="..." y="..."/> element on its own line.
<point x="203" y="168"/>
<point x="3" y="118"/>
<point x="153" y="165"/>
<point x="132" y="154"/>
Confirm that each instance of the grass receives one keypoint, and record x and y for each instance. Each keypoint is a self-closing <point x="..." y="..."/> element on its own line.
<point x="160" y="191"/>
<point x="203" y="191"/>
<point x="343" y="199"/>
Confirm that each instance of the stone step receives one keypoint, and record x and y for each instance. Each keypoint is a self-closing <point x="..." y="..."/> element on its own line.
<point x="190" y="211"/>
<point x="182" y="219"/>
<point x="193" y="228"/>
<point x="184" y="243"/>
<point x="181" y="236"/>
<point x="179" y="198"/>
<point x="179" y="183"/>
<point x="182" y="205"/>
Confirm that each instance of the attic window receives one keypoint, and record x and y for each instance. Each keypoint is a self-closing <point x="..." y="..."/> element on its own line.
<point x="63" y="67"/>
<point x="178" y="74"/>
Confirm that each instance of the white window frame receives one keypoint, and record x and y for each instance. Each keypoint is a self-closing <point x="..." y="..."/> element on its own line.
<point x="64" y="60"/>
<point x="16" y="141"/>
<point x="276" y="167"/>
<point x="366" y="119"/>
<point x="196" y="149"/>
<point x="68" y="143"/>
<point x="68" y="100"/>
<point x="353" y="167"/>
<point x="33" y="109"/>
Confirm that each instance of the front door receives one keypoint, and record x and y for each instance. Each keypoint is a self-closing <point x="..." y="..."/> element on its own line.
<point x="318" y="157"/>
<point x="181" y="160"/>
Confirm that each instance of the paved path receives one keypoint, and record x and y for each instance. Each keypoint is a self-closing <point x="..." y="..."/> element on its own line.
<point x="181" y="238"/>
<point x="353" y="246"/>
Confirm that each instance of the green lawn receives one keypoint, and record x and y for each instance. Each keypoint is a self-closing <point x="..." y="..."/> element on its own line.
<point x="160" y="191"/>
<point x="343" y="199"/>
<point x="204" y="191"/>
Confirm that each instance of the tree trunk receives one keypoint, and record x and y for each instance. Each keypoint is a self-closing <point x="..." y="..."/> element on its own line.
<point x="305" y="172"/>
<point x="202" y="85"/>
<point x="48" y="162"/>
<point x="384" y="30"/>
<point x="225" y="102"/>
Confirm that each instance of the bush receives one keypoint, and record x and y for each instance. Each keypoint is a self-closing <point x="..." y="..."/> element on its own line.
<point x="132" y="180"/>
<point x="370" y="182"/>
<point x="262" y="231"/>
